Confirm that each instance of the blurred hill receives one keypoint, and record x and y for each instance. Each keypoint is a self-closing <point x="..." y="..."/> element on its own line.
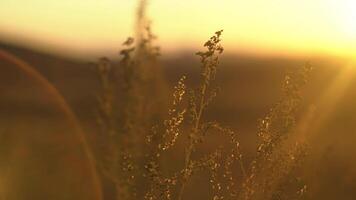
<point x="78" y="81"/>
<point x="245" y="79"/>
<point x="250" y="86"/>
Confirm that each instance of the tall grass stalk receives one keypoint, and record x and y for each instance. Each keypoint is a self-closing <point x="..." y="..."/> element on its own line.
<point x="131" y="125"/>
<point x="126" y="109"/>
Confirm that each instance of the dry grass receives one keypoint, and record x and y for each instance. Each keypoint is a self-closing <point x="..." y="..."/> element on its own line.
<point x="154" y="140"/>
<point x="132" y="124"/>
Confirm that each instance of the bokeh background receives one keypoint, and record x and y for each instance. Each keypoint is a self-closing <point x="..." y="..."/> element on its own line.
<point x="41" y="149"/>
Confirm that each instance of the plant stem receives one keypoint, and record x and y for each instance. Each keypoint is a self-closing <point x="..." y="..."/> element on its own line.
<point x="195" y="130"/>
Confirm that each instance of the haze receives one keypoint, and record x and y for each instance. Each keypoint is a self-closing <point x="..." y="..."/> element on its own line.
<point x="268" y="27"/>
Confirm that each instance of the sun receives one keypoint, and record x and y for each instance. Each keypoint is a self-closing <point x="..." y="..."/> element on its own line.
<point x="347" y="14"/>
<point x="349" y="26"/>
<point x="351" y="16"/>
<point x="340" y="18"/>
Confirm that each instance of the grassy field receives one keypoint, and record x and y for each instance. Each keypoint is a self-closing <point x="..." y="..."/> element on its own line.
<point x="43" y="158"/>
<point x="207" y="125"/>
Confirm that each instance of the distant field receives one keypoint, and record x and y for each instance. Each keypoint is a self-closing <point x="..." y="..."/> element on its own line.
<point x="37" y="144"/>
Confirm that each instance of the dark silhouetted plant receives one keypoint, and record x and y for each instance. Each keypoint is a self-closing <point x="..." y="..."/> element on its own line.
<point x="135" y="135"/>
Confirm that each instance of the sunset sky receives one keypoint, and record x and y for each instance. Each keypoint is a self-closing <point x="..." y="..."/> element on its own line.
<point x="266" y="27"/>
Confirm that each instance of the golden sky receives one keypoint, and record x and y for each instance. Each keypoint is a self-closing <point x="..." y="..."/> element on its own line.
<point x="81" y="27"/>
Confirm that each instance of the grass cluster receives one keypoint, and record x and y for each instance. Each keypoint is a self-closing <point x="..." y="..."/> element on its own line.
<point x="136" y="133"/>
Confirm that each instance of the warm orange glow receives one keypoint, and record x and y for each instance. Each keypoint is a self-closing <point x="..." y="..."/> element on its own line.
<point x="290" y="27"/>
